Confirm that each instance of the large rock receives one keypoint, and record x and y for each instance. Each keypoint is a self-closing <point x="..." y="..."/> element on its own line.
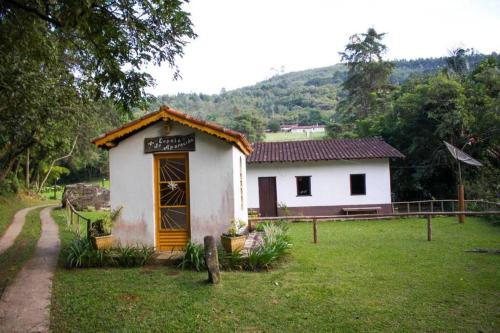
<point x="83" y="196"/>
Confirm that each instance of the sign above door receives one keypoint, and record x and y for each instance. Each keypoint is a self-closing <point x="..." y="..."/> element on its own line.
<point x="169" y="143"/>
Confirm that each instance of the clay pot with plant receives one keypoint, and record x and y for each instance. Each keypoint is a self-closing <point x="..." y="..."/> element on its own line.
<point x="100" y="230"/>
<point x="234" y="239"/>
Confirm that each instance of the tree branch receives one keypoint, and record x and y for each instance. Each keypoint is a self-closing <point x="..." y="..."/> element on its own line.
<point x="36" y="12"/>
<point x="54" y="162"/>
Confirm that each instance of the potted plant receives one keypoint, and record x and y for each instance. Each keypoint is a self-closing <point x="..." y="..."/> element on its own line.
<point x="234" y="239"/>
<point x="100" y="230"/>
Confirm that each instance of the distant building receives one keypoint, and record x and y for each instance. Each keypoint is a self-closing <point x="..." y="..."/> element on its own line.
<point x="303" y="129"/>
<point x="320" y="177"/>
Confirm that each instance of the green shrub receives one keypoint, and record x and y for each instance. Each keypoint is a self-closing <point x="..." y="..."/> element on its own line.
<point x="231" y="261"/>
<point x="275" y="246"/>
<point x="194" y="257"/>
<point x="80" y="253"/>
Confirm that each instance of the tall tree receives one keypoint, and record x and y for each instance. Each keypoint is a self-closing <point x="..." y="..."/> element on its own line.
<point x="367" y="81"/>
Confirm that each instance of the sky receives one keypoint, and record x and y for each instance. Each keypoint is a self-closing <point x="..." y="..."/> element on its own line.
<point x="242" y="42"/>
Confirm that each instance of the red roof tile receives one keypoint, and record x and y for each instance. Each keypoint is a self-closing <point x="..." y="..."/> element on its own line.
<point x="322" y="150"/>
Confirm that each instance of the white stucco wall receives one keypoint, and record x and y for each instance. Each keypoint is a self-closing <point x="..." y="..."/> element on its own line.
<point x="240" y="188"/>
<point x="214" y="195"/>
<point x="330" y="182"/>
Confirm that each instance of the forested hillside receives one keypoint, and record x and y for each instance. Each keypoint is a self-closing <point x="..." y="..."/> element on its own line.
<point x="305" y="97"/>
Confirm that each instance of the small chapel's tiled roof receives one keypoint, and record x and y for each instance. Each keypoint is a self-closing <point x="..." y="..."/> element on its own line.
<point x="112" y="138"/>
<point x="322" y="150"/>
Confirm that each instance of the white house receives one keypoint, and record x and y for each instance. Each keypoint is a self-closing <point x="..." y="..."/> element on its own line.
<point x="177" y="178"/>
<point x="303" y="129"/>
<point x="320" y="177"/>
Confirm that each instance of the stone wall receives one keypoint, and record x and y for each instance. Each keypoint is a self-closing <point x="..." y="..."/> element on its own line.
<point x="82" y="196"/>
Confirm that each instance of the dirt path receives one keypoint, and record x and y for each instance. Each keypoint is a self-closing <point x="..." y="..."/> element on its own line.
<point x="15" y="228"/>
<point x="25" y="304"/>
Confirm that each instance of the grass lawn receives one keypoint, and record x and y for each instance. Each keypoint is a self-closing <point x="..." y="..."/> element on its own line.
<point x="14" y="257"/>
<point x="288" y="136"/>
<point x="361" y="276"/>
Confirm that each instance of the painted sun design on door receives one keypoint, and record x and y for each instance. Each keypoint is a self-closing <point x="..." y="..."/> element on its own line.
<point x="173" y="193"/>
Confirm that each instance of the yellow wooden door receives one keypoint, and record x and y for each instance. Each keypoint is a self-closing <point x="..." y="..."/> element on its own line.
<point x="172" y="201"/>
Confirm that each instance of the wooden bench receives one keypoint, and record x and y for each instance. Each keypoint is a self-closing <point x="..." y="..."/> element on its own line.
<point x="361" y="210"/>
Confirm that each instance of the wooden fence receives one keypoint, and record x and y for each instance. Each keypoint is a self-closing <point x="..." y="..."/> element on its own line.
<point x="252" y="222"/>
<point x="447" y="205"/>
<point x="74" y="215"/>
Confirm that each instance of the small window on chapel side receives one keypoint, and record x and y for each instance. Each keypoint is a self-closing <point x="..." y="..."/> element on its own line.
<point x="303" y="185"/>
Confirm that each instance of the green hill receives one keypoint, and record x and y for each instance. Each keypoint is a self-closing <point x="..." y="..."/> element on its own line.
<point x="304" y="97"/>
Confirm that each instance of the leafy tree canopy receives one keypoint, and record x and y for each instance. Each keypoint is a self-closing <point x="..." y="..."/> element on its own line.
<point x="67" y="67"/>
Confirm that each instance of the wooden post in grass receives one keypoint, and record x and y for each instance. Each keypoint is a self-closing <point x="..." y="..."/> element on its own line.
<point x="461" y="203"/>
<point x="429" y="227"/>
<point x="315" y="231"/>
<point x="211" y="260"/>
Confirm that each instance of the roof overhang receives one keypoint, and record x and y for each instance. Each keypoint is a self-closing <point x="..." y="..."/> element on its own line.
<point x="112" y="138"/>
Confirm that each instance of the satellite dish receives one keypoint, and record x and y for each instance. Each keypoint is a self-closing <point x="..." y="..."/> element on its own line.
<point x="461" y="156"/>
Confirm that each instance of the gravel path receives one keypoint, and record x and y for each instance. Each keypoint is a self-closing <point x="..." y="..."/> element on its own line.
<point x="25" y="304"/>
<point x="15" y="228"/>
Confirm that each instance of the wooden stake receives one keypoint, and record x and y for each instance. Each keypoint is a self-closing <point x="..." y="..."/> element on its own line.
<point x="429" y="228"/>
<point x="461" y="203"/>
<point x="315" y="231"/>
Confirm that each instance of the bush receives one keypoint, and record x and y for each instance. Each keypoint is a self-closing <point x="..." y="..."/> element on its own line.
<point x="80" y="253"/>
<point x="194" y="257"/>
<point x="231" y="260"/>
<point x="132" y="256"/>
<point x="274" y="248"/>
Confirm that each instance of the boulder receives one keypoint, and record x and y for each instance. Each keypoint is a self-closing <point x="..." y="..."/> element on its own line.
<point x="82" y="196"/>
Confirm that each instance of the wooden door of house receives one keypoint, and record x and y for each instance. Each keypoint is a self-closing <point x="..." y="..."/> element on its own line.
<point x="268" y="203"/>
<point x="172" y="201"/>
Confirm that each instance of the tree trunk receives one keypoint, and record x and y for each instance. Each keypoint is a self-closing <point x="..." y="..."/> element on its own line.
<point x="4" y="173"/>
<point x="54" y="162"/>
<point x="27" y="169"/>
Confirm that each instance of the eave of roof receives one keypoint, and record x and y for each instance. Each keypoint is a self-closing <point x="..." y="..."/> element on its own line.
<point x="113" y="137"/>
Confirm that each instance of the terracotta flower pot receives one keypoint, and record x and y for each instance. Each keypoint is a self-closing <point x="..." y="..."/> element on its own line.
<point x="102" y="242"/>
<point x="233" y="243"/>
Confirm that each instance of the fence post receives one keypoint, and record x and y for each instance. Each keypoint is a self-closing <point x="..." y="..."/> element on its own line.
<point x="429" y="227"/>
<point x="419" y="207"/>
<point x="461" y="203"/>
<point x="408" y="207"/>
<point x="442" y="206"/>
<point x="88" y="229"/>
<point x="315" y="231"/>
<point x="432" y="205"/>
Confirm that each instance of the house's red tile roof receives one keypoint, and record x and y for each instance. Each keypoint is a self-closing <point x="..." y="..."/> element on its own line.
<point x="322" y="150"/>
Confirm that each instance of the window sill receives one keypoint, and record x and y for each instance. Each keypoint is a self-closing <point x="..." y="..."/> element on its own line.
<point x="304" y="195"/>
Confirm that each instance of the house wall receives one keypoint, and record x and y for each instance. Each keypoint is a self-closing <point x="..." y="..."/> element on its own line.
<point x="330" y="185"/>
<point x="213" y="192"/>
